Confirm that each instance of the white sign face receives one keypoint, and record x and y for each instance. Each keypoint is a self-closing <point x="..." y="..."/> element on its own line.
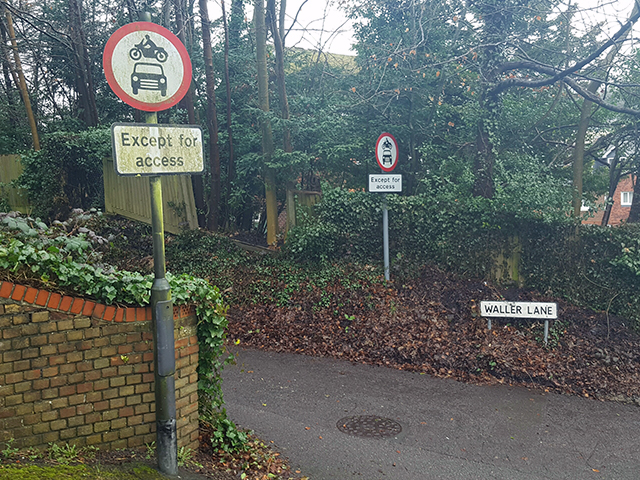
<point x="387" y="152"/>
<point x="385" y="183"/>
<point x="519" y="309"/>
<point x="147" y="149"/>
<point x="147" y="66"/>
<point x="149" y="80"/>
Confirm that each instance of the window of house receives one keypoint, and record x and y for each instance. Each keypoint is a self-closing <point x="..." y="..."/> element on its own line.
<point x="626" y="198"/>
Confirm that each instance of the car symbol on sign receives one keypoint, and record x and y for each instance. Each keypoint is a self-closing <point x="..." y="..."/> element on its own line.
<point x="386" y="152"/>
<point x="148" y="76"/>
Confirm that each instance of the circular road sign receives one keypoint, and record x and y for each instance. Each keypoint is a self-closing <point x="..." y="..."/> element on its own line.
<point x="147" y="66"/>
<point x="387" y="152"/>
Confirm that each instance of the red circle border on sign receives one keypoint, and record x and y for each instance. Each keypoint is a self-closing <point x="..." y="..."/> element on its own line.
<point x="124" y="96"/>
<point x="395" y="142"/>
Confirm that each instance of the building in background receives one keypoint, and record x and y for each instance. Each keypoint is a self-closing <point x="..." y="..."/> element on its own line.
<point x="621" y="204"/>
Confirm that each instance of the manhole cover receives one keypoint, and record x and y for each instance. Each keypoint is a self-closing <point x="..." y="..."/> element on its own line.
<point x="370" y="426"/>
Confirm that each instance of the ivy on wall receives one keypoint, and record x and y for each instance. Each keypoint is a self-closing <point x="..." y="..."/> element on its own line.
<point x="588" y="265"/>
<point x="30" y="248"/>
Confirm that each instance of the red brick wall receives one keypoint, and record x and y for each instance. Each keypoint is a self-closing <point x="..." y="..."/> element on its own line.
<point x="73" y="371"/>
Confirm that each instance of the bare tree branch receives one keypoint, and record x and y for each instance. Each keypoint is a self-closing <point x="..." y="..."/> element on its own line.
<point x="555" y="73"/>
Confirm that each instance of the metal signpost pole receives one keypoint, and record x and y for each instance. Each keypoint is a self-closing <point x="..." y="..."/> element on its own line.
<point x="156" y="83"/>
<point x="385" y="235"/>
<point x="163" y="338"/>
<point x="387" y="158"/>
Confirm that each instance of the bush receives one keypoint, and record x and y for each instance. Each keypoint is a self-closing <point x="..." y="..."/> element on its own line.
<point x="587" y="265"/>
<point x="66" y="172"/>
<point x="595" y="266"/>
<point x="346" y="224"/>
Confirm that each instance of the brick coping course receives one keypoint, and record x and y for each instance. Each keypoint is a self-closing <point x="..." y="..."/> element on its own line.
<point x="81" y="306"/>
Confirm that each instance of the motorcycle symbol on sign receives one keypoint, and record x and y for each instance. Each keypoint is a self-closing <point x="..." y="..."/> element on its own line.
<point x="148" y="49"/>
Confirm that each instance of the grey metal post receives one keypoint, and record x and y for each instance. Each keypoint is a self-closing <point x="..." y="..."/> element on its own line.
<point x="385" y="235"/>
<point x="546" y="332"/>
<point x="163" y="340"/>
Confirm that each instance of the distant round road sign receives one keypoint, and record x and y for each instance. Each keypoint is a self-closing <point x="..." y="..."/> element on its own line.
<point x="387" y="152"/>
<point x="147" y="66"/>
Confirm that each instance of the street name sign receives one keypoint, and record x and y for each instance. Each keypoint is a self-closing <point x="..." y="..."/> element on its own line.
<point x="147" y="66"/>
<point x="387" y="152"/>
<point x="519" y="309"/>
<point x="385" y="183"/>
<point x="150" y="149"/>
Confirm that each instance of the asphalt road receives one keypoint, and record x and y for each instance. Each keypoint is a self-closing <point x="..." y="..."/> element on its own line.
<point x="450" y="430"/>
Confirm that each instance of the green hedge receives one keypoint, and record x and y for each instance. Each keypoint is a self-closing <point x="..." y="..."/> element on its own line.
<point x="595" y="266"/>
<point x="66" y="173"/>
<point x="588" y="265"/>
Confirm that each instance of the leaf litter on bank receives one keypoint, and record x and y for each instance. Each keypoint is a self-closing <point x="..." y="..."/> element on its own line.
<point x="431" y="324"/>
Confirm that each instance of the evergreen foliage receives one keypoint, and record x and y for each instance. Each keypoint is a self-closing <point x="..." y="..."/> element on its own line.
<point x="67" y="172"/>
<point x="587" y="265"/>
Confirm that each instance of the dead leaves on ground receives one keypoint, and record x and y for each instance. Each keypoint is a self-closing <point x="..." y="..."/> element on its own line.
<point x="428" y="325"/>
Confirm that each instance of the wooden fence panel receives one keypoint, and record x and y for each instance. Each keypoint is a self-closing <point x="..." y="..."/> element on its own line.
<point x="11" y="169"/>
<point x="131" y="198"/>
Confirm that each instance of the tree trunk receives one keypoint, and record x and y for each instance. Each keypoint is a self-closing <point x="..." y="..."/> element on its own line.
<point x="578" y="152"/>
<point x="227" y="81"/>
<point x="490" y="102"/>
<point x="265" y="124"/>
<point x="7" y="72"/>
<point x="187" y="102"/>
<point x="84" y="78"/>
<point x="280" y="75"/>
<point x="485" y="156"/>
<point x="615" y="171"/>
<point x="277" y="28"/>
<point x="20" y="81"/>
<point x="212" y="120"/>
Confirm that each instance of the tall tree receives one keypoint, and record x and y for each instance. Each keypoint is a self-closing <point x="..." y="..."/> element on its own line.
<point x="398" y="90"/>
<point x="265" y="123"/>
<point x="511" y="26"/>
<point x="196" y="180"/>
<point x="212" y="120"/>
<point x="227" y="82"/>
<point x="19" y="78"/>
<point x="583" y="125"/>
<point x="277" y="36"/>
<point x="84" y="75"/>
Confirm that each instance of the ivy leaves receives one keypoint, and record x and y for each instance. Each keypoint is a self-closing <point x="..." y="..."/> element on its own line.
<point x="29" y="248"/>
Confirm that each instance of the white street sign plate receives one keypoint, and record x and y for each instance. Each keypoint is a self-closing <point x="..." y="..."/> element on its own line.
<point x="385" y="183"/>
<point x="149" y="149"/>
<point x="519" y="309"/>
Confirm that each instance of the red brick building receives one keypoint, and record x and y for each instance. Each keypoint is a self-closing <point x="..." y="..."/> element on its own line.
<point x="621" y="204"/>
